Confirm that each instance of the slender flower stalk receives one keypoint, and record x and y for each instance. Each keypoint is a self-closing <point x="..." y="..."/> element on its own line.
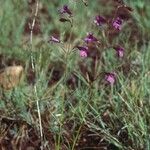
<point x="33" y="67"/>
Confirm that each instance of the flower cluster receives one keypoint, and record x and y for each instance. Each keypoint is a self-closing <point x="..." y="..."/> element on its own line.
<point x="116" y="24"/>
<point x="83" y="50"/>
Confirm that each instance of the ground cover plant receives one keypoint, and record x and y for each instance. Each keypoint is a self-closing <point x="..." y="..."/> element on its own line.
<point x="74" y="74"/>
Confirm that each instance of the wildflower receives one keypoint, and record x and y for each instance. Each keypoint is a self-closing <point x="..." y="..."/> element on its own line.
<point x="53" y="39"/>
<point x="120" y="51"/>
<point x="90" y="38"/>
<point x="99" y="20"/>
<point x="65" y="9"/>
<point x="110" y="78"/>
<point x="117" y="23"/>
<point x="83" y="53"/>
<point x="83" y="50"/>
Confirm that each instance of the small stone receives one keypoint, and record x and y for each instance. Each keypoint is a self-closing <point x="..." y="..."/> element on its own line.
<point x="10" y="77"/>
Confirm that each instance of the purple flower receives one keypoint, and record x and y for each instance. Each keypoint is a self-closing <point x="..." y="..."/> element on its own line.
<point x="83" y="50"/>
<point x="99" y="20"/>
<point x="110" y="78"/>
<point x="117" y="23"/>
<point x="120" y="51"/>
<point x="65" y="9"/>
<point x="53" y="39"/>
<point x="90" y="38"/>
<point x="83" y="53"/>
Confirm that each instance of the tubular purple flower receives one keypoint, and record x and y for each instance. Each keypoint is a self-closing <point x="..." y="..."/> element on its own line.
<point x="53" y="39"/>
<point x="117" y="23"/>
<point x="83" y="51"/>
<point x="120" y="51"/>
<point x="110" y="78"/>
<point x="90" y="38"/>
<point x="99" y="20"/>
<point x="65" y="9"/>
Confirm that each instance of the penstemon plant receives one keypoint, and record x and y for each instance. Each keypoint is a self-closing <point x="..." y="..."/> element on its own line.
<point x="106" y="27"/>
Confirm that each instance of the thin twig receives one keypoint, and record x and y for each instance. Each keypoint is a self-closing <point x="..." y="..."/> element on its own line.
<point x="33" y="67"/>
